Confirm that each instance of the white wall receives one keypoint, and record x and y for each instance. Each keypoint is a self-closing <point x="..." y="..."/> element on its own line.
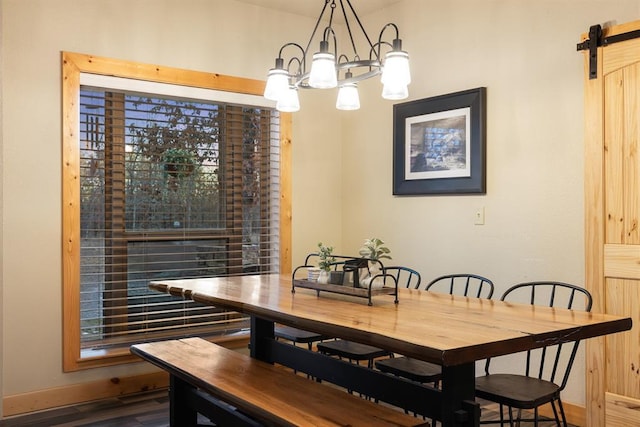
<point x="524" y="52"/>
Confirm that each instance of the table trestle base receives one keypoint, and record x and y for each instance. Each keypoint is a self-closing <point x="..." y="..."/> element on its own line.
<point x="414" y="397"/>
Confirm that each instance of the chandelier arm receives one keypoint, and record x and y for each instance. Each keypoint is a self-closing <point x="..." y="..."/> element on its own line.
<point x="315" y="28"/>
<point x="333" y="9"/>
<point x="329" y="31"/>
<point x="355" y="79"/>
<point x="301" y="62"/>
<point x="287" y="45"/>
<point x="353" y="45"/>
<point x="340" y="58"/>
<point x="300" y="66"/>
<point x="378" y="52"/>
<point x="355" y="15"/>
<point x="390" y="24"/>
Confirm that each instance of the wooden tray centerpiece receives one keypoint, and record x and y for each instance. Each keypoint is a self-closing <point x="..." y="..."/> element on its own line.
<point x="346" y="276"/>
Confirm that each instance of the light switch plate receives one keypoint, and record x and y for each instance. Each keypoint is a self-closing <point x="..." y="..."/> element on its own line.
<point x="479" y="216"/>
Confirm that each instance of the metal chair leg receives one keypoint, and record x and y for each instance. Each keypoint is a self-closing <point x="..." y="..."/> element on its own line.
<point x="564" y="418"/>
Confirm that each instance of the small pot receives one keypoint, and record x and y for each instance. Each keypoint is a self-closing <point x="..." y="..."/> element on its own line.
<point x="323" y="277"/>
<point x="335" y="277"/>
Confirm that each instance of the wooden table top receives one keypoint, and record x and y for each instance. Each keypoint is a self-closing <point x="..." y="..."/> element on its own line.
<point x="440" y="328"/>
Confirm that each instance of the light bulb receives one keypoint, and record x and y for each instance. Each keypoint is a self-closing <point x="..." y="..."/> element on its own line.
<point x="394" y="91"/>
<point x="323" y="73"/>
<point x="277" y="84"/>
<point x="289" y="101"/>
<point x="348" y="98"/>
<point x="396" y="68"/>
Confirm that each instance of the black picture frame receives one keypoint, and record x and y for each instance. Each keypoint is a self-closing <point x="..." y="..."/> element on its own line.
<point x="439" y="144"/>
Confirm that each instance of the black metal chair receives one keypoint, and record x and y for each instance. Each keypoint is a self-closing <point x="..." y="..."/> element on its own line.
<point x="356" y="352"/>
<point x="547" y="369"/>
<point x="454" y="284"/>
<point x="295" y="335"/>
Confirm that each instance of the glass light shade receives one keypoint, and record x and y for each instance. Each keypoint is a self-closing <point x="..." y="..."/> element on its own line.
<point x="396" y="68"/>
<point x="289" y="101"/>
<point x="277" y="84"/>
<point x="395" y="91"/>
<point x="348" y="98"/>
<point x="323" y="73"/>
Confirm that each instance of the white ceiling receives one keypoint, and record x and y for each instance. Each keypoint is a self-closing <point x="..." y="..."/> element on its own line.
<point x="312" y="8"/>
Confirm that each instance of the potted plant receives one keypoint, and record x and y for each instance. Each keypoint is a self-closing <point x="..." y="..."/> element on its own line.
<point x="374" y="250"/>
<point x="325" y="253"/>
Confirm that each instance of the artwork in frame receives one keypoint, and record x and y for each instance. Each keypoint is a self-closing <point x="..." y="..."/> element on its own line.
<point x="439" y="144"/>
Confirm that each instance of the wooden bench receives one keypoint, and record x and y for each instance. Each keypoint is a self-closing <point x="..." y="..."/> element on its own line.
<point x="233" y="389"/>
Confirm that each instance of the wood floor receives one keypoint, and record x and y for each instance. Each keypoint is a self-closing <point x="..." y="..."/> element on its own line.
<point x="149" y="409"/>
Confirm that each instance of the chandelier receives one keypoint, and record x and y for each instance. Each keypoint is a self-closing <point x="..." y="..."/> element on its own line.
<point x="330" y="70"/>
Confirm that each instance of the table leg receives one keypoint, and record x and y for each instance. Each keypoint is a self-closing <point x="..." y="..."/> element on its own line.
<point x="458" y="396"/>
<point x="181" y="414"/>
<point x="262" y="331"/>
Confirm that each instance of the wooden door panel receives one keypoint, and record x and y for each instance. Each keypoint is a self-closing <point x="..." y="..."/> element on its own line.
<point x="630" y="169"/>
<point x="614" y="156"/>
<point x="621" y="155"/>
<point x="622" y="411"/>
<point x="623" y="299"/>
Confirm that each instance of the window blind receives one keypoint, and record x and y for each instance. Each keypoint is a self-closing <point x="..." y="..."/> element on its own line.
<point x="170" y="188"/>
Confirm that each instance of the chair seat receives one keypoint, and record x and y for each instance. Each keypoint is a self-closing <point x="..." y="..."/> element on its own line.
<point x="297" y="335"/>
<point x="413" y="369"/>
<point x="518" y="391"/>
<point x="351" y="350"/>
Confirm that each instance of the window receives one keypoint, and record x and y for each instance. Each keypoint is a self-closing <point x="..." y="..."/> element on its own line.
<point x="159" y="183"/>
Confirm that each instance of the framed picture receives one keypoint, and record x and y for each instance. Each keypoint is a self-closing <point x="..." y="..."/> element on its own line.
<point x="439" y="144"/>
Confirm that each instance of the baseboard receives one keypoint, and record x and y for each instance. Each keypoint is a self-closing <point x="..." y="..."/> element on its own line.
<point x="81" y="393"/>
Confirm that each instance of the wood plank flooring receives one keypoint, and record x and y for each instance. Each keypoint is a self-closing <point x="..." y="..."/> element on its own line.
<point x="148" y="409"/>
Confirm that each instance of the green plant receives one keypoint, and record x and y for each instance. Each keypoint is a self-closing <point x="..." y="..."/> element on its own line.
<point x="326" y="257"/>
<point x="374" y="249"/>
<point x="178" y="162"/>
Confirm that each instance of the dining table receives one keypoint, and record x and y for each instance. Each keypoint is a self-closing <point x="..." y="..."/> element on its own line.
<point x="451" y="331"/>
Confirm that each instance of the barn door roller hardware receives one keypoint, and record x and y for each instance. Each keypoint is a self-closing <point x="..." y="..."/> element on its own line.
<point x="596" y="40"/>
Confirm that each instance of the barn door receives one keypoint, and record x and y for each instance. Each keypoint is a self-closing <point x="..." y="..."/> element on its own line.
<point x="612" y="215"/>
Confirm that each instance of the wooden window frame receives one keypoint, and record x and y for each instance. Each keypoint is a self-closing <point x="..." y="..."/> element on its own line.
<point x="73" y="64"/>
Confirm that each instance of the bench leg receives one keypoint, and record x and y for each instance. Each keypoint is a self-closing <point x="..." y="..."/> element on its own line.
<point x="186" y="402"/>
<point x="180" y="412"/>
